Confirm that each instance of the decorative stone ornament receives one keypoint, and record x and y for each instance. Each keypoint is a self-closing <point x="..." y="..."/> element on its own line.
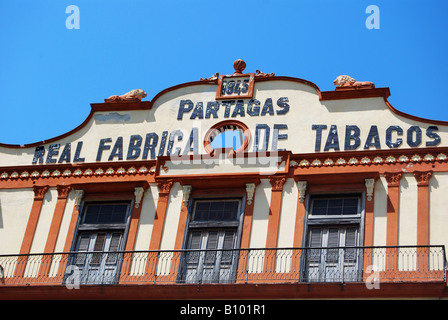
<point x="239" y="66"/>
<point x="302" y="190"/>
<point x="138" y="193"/>
<point x="347" y="82"/>
<point x="79" y="194"/>
<point x="186" y="190"/>
<point x="131" y="96"/>
<point x="250" y="190"/>
<point x="370" y="184"/>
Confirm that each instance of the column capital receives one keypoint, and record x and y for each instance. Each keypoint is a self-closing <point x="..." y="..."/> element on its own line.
<point x="165" y="187"/>
<point x="40" y="191"/>
<point x="422" y="177"/>
<point x="393" y="178"/>
<point x="277" y="183"/>
<point x="63" y="191"/>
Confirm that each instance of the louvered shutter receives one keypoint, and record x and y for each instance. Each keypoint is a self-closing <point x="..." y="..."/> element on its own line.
<point x="83" y="246"/>
<point x="99" y="245"/>
<point x="350" y="241"/>
<point x="333" y="241"/>
<point x="315" y="242"/>
<point x="212" y="244"/>
<point x="229" y="236"/>
<point x="113" y="246"/>
<point x="195" y="243"/>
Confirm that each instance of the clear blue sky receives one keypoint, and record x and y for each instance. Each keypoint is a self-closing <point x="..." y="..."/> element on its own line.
<point x="49" y="74"/>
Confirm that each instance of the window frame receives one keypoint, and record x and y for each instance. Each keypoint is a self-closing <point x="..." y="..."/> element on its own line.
<point x="206" y="226"/>
<point x="335" y="219"/>
<point x="84" y="227"/>
<point x="103" y="226"/>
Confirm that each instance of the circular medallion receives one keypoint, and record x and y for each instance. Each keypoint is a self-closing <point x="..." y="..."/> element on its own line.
<point x="228" y="134"/>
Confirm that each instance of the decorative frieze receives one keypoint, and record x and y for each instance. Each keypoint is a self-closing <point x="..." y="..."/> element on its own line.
<point x="308" y="161"/>
<point x="366" y="160"/>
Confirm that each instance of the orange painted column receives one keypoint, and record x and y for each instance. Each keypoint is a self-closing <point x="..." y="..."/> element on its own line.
<point x="300" y="215"/>
<point x="79" y="194"/>
<point x="423" y="207"/>
<point x="132" y="233"/>
<point x="39" y="194"/>
<point x="273" y="222"/>
<point x="157" y="231"/>
<point x="246" y="232"/>
<point x="369" y="212"/>
<point x="423" y="218"/>
<point x="159" y="220"/>
<point x="176" y="258"/>
<point x="299" y="229"/>
<point x="393" y="202"/>
<point x="369" y="223"/>
<point x="54" y="228"/>
<point x="135" y="218"/>
<point x="248" y="214"/>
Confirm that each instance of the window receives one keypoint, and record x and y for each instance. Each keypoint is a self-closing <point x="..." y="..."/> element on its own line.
<point x="212" y="235"/>
<point x="100" y="235"/>
<point x="335" y="206"/>
<point x="105" y="213"/>
<point x="334" y="225"/>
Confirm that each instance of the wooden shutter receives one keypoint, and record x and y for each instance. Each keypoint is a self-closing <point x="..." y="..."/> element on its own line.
<point x="350" y="241"/>
<point x="113" y="246"/>
<point x="83" y="246"/>
<point x="212" y="244"/>
<point x="228" y="242"/>
<point x="315" y="242"/>
<point x="333" y="241"/>
<point x="195" y="243"/>
<point x="99" y="245"/>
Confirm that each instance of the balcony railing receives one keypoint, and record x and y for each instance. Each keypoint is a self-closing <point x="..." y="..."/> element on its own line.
<point x="279" y="265"/>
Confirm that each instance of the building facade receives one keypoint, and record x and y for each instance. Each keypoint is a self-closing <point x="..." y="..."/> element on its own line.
<point x="247" y="185"/>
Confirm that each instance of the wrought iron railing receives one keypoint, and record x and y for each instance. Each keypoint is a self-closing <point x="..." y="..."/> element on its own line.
<point x="265" y="265"/>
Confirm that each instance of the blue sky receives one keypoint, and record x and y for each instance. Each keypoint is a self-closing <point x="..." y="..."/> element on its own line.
<point x="49" y="74"/>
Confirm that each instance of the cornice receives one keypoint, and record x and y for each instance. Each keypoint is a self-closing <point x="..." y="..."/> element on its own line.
<point x="379" y="158"/>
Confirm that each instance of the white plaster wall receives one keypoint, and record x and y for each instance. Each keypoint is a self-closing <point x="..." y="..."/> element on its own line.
<point x="260" y="215"/>
<point x="65" y="223"/>
<point x="44" y="222"/>
<point x="15" y="208"/>
<point x="288" y="214"/>
<point x="407" y="218"/>
<point x="172" y="217"/>
<point x="380" y="212"/>
<point x="146" y="222"/>
<point x="438" y="209"/>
